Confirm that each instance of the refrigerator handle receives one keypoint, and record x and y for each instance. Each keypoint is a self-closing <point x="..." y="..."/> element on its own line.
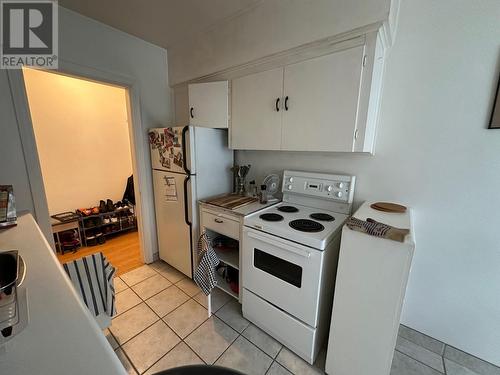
<point x="184" y="152"/>
<point x="186" y="203"/>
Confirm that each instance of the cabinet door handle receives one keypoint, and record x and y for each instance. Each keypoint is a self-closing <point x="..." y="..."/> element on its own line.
<point x="191" y="112"/>
<point x="218" y="221"/>
<point x="286" y="103"/>
<point x="277" y="104"/>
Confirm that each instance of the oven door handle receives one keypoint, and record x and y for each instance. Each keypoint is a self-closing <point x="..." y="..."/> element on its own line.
<point x="290" y="247"/>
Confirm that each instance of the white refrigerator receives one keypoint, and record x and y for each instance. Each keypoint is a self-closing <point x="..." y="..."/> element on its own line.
<point x="189" y="163"/>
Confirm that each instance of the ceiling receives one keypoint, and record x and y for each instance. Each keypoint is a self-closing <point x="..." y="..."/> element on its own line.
<point x="161" y="22"/>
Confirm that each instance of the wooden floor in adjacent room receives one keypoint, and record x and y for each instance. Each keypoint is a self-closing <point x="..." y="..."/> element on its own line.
<point x="122" y="251"/>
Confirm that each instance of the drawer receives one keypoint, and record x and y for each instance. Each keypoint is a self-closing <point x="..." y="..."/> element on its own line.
<point x="221" y="223"/>
<point x="291" y="332"/>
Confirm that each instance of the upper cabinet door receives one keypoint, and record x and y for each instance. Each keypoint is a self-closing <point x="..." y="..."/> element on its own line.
<point x="321" y="101"/>
<point x="208" y="104"/>
<point x="256" y="108"/>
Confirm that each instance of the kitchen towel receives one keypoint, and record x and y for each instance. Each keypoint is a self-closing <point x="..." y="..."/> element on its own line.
<point x="92" y="276"/>
<point x="204" y="275"/>
<point x="377" y="229"/>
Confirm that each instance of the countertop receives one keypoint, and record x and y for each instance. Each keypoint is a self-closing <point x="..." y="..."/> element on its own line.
<point x="398" y="220"/>
<point x="240" y="211"/>
<point x="62" y="336"/>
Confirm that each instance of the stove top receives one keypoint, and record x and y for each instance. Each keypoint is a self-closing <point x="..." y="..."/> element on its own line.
<point x="271" y="217"/>
<point x="309" y="226"/>
<point x="306" y="225"/>
<point x="321" y="216"/>
<point x="288" y="209"/>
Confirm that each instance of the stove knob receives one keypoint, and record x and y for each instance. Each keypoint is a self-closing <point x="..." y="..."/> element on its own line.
<point x="340" y="185"/>
<point x="338" y="194"/>
<point x="289" y="187"/>
<point x="290" y="179"/>
<point x="329" y="188"/>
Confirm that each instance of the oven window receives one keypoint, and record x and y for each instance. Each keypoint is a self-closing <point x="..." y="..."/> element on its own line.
<point x="280" y="268"/>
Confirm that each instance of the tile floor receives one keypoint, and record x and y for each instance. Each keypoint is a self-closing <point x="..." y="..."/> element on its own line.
<point x="162" y="322"/>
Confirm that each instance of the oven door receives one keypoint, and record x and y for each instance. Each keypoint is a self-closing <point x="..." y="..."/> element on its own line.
<point x="283" y="273"/>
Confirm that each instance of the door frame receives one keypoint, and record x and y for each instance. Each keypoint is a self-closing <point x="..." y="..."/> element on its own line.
<point x="144" y="203"/>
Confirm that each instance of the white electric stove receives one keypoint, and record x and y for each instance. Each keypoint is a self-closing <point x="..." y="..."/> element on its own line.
<point x="289" y="259"/>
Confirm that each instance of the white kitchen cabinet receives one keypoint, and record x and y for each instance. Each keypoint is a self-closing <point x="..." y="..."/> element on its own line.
<point x="327" y="103"/>
<point x="208" y="104"/>
<point x="256" y="111"/>
<point x="321" y="100"/>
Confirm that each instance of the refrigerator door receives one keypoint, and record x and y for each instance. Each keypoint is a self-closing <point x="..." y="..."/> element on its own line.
<point x="171" y="149"/>
<point x="173" y="219"/>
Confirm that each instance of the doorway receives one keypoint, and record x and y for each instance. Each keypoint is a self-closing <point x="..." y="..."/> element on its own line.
<point x="82" y="130"/>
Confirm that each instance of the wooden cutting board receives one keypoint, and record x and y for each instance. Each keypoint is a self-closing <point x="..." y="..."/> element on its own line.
<point x="388" y="207"/>
<point x="231" y="201"/>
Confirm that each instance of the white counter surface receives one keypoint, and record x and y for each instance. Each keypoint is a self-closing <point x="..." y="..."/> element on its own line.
<point x="62" y="337"/>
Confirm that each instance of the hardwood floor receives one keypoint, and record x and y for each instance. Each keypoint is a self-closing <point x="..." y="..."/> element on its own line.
<point x="122" y="251"/>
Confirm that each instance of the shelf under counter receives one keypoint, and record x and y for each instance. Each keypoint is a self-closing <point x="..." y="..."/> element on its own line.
<point x="230" y="257"/>
<point x="222" y="285"/>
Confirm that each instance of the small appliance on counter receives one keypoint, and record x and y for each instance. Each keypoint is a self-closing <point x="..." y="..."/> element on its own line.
<point x="13" y="301"/>
<point x="271" y="183"/>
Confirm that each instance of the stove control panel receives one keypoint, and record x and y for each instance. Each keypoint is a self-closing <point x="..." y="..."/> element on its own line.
<point x="333" y="187"/>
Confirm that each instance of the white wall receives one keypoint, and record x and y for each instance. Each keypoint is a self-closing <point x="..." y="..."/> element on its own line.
<point x="275" y="25"/>
<point x="12" y="167"/>
<point x="433" y="153"/>
<point x="95" y="45"/>
<point x="82" y="137"/>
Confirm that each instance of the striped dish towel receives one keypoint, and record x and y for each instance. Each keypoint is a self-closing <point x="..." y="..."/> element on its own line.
<point x="204" y="275"/>
<point x="92" y="277"/>
<point x="377" y="229"/>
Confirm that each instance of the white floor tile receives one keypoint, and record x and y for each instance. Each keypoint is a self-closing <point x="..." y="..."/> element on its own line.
<point x="139" y="274"/>
<point x="181" y="355"/>
<point x="296" y="365"/>
<point x="231" y="314"/>
<point x="243" y="356"/>
<point x="262" y="340"/>
<point x="126" y="300"/>
<point x="188" y="286"/>
<point x="186" y="318"/>
<point x="150" y="345"/>
<point x="219" y="299"/>
<point x="167" y="300"/>
<point x="151" y="286"/>
<point x="211" y="339"/>
<point x="130" y="323"/>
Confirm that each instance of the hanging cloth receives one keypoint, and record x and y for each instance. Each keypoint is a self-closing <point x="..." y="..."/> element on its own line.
<point x="205" y="273"/>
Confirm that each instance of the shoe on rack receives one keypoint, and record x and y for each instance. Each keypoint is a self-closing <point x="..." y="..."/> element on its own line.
<point x="110" y="206"/>
<point x="106" y="220"/>
<point x="100" y="239"/>
<point x="90" y="240"/>
<point x="114" y="219"/>
<point x="102" y="206"/>
<point x="84" y="211"/>
<point x="118" y="205"/>
<point x="95" y="210"/>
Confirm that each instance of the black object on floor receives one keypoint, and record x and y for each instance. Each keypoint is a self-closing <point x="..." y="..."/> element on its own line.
<point x="199" y="370"/>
